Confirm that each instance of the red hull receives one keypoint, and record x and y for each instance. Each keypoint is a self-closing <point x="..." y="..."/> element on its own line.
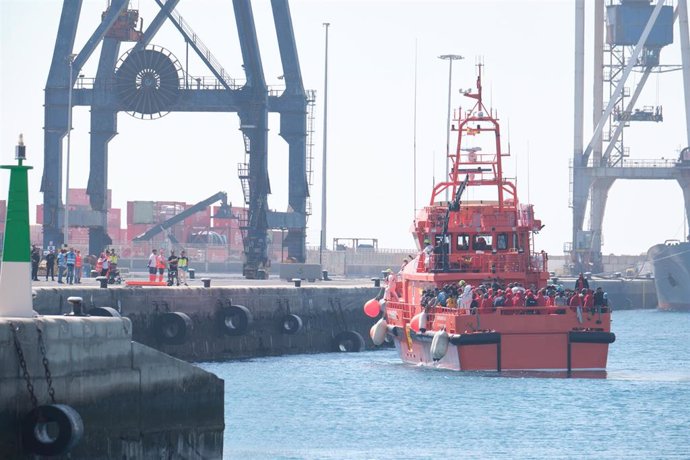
<point x="510" y="338"/>
<point x="526" y="352"/>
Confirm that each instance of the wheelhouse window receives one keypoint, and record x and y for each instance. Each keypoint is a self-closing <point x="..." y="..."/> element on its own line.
<point x="502" y="241"/>
<point x="463" y="242"/>
<point x="482" y="242"/>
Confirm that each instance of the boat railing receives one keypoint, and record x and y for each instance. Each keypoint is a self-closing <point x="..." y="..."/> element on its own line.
<point x="485" y="262"/>
<point x="409" y="310"/>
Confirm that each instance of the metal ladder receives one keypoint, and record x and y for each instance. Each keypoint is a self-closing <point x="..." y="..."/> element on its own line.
<point x="201" y="49"/>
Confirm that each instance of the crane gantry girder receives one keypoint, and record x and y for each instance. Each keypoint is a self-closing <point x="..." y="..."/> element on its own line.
<point x="593" y="176"/>
<point x="251" y="102"/>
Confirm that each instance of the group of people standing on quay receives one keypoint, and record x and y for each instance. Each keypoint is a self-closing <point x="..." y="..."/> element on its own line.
<point x="177" y="266"/>
<point x="69" y="263"/>
<point x="106" y="265"/>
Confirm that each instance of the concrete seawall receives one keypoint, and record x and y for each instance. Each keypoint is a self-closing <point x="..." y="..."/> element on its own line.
<point x="325" y="312"/>
<point x="133" y="400"/>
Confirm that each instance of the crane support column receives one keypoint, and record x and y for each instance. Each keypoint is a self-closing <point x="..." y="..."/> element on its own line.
<point x="293" y="128"/>
<point x="600" y="193"/>
<point x="253" y="115"/>
<point x="103" y="129"/>
<point x="56" y="96"/>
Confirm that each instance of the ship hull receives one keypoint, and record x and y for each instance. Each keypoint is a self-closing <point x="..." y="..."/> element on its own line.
<point x="671" y="264"/>
<point x="553" y="339"/>
<point x="515" y="352"/>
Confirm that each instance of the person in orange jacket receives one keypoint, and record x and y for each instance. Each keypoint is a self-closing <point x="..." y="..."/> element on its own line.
<point x="78" y="263"/>
<point x="160" y="264"/>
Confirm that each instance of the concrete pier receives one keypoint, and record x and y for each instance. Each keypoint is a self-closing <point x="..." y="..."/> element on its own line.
<point x="325" y="312"/>
<point x="133" y="400"/>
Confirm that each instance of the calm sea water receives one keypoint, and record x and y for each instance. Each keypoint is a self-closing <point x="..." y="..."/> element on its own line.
<point x="371" y="406"/>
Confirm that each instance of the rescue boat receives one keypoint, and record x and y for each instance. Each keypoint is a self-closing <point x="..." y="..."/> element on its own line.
<point x="476" y="240"/>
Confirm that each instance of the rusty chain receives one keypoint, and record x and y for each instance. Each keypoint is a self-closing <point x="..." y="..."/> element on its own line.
<point x="22" y="364"/>
<point x="49" y="378"/>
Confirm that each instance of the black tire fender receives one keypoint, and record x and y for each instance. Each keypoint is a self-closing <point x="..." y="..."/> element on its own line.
<point x="349" y="342"/>
<point x="105" y="311"/>
<point x="172" y="328"/>
<point x="291" y="324"/>
<point x="235" y="319"/>
<point x="52" y="429"/>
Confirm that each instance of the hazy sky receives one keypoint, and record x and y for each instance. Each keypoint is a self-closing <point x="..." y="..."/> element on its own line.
<point x="527" y="48"/>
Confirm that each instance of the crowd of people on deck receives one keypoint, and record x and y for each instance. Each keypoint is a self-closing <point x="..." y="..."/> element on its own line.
<point x="489" y="296"/>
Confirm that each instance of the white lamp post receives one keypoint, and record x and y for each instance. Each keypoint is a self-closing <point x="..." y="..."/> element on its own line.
<point x="450" y="58"/>
<point x="322" y="243"/>
<point x="65" y="231"/>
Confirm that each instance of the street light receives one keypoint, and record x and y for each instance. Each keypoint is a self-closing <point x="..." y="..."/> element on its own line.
<point x="65" y="231"/>
<point x="450" y="58"/>
<point x="322" y="243"/>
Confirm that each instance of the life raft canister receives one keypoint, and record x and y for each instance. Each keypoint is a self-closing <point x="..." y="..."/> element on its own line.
<point x="52" y="429"/>
<point x="378" y="332"/>
<point x="439" y="345"/>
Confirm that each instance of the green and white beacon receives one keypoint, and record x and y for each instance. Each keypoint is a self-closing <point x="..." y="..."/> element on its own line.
<point x="15" y="272"/>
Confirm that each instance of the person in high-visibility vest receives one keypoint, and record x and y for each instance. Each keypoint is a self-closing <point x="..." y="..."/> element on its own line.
<point x="183" y="266"/>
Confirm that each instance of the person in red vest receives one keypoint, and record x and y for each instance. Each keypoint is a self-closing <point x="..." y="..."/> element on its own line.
<point x="518" y="299"/>
<point x="487" y="303"/>
<point x="576" y="301"/>
<point x="542" y="300"/>
<point x="78" y="263"/>
<point x="160" y="264"/>
<point x="588" y="300"/>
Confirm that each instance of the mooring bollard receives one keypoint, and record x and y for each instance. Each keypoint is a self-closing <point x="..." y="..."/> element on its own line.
<point x="324" y="275"/>
<point x="103" y="280"/>
<point x="207" y="282"/>
<point x="192" y="273"/>
<point x="377" y="282"/>
<point x="77" y="306"/>
<point x="297" y="281"/>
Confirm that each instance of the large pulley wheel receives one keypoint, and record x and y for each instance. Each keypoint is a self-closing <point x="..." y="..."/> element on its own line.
<point x="147" y="82"/>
